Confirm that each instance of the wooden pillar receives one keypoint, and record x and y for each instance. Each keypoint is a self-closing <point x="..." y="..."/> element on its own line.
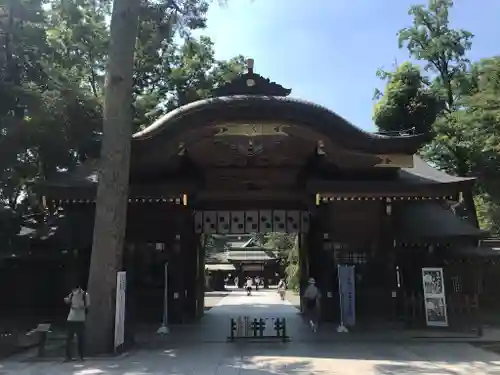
<point x="175" y="281"/>
<point x="200" y="284"/>
<point x="129" y="263"/>
<point x="330" y="300"/>
<point x="304" y="260"/>
<point x="330" y="303"/>
<point x="388" y="252"/>
<point x="241" y="275"/>
<point x="189" y="250"/>
<point x="321" y="262"/>
<point x="267" y="274"/>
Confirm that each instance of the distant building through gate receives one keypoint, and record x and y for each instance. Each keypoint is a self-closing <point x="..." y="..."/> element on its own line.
<point x="240" y="257"/>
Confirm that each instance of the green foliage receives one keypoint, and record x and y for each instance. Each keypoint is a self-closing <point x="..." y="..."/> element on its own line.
<point x="444" y="49"/>
<point x="293" y="267"/>
<point x="287" y="246"/>
<point x="407" y="102"/>
<point x="281" y="242"/>
<point x="466" y="127"/>
<point x="52" y="62"/>
<point x="488" y="213"/>
<point x="185" y="73"/>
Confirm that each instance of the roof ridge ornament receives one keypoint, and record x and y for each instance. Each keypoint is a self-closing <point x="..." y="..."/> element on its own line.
<point x="251" y="83"/>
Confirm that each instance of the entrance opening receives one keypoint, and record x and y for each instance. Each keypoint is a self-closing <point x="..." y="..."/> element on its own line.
<point x="263" y="258"/>
<point x="253" y="277"/>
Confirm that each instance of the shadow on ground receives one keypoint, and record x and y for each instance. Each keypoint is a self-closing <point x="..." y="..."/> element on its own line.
<point x="278" y="358"/>
<point x="202" y="348"/>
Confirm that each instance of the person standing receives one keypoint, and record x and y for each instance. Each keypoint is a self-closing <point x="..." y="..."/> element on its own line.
<point x="311" y="299"/>
<point x="79" y="302"/>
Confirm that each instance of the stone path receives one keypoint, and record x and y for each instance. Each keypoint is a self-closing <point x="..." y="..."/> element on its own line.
<point x="286" y="359"/>
<point x="259" y="305"/>
<point x="214" y="326"/>
<point x="200" y="355"/>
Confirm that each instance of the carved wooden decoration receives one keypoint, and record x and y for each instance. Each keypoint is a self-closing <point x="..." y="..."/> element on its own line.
<point x="395" y="161"/>
<point x="251" y="83"/>
<point x="251" y="130"/>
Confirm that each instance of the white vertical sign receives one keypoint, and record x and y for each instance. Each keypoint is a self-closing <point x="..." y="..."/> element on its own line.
<point x="121" y="286"/>
<point x="434" y="297"/>
<point x="347" y="294"/>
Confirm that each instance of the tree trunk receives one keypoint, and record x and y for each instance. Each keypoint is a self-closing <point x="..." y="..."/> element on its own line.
<point x="112" y="192"/>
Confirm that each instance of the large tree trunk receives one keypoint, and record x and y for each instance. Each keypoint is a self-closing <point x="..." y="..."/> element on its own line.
<point x="112" y="193"/>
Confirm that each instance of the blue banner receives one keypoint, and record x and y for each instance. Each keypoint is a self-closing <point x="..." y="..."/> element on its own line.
<point x="347" y="294"/>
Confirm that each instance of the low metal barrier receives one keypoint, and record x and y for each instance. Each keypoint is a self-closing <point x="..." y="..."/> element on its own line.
<point x="245" y="328"/>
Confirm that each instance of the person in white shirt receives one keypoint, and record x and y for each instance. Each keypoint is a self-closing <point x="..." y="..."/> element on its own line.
<point x="249" y="284"/>
<point x="79" y="302"/>
<point x="282" y="289"/>
<point x="311" y="299"/>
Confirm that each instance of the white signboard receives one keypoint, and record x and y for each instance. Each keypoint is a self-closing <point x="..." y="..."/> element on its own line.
<point x="121" y="286"/>
<point x="434" y="297"/>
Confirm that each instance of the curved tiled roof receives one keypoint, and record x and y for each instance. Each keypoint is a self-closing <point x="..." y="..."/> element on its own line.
<point x="423" y="172"/>
<point x="427" y="220"/>
<point x="260" y="109"/>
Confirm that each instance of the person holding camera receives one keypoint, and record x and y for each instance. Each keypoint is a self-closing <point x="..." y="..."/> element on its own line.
<point x="79" y="302"/>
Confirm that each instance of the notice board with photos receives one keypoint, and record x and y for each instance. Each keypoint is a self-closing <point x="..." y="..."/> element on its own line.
<point x="434" y="297"/>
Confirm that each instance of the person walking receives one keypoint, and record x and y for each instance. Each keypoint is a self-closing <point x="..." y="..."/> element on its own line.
<point x="311" y="300"/>
<point x="79" y="302"/>
<point x="282" y="289"/>
<point x="249" y="284"/>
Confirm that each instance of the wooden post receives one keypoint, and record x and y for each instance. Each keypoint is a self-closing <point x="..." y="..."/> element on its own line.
<point x="388" y="251"/>
<point x="200" y="285"/>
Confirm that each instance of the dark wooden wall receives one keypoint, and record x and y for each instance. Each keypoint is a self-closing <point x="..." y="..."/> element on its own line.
<point x="355" y="232"/>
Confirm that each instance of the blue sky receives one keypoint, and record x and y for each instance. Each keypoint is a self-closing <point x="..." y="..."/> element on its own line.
<point x="328" y="53"/>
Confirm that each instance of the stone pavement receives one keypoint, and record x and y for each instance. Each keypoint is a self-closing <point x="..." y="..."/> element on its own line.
<point x="214" y="326"/>
<point x="206" y="354"/>
<point x="273" y="359"/>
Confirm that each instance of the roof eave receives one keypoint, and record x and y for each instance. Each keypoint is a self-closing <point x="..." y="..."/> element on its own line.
<point x="258" y="108"/>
